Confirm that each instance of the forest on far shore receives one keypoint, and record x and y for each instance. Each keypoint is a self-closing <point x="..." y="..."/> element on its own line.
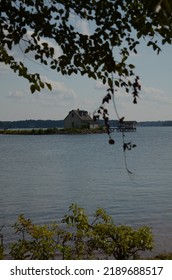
<point x="31" y="124"/>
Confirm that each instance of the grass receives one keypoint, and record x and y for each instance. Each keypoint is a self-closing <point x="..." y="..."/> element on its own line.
<point x="48" y="131"/>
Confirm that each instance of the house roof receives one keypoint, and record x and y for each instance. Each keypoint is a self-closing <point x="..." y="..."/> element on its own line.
<point x="129" y="122"/>
<point x="82" y="115"/>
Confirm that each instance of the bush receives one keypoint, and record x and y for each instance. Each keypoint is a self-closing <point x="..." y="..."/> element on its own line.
<point x="79" y="238"/>
<point x="1" y="252"/>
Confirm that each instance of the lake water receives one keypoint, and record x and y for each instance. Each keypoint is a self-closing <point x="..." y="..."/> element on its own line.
<point x="41" y="175"/>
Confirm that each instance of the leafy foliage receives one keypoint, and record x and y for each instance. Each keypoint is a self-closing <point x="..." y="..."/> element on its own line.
<point x="40" y="244"/>
<point x="78" y="238"/>
<point x="117" y="27"/>
<point x="1" y="244"/>
<point x="1" y="252"/>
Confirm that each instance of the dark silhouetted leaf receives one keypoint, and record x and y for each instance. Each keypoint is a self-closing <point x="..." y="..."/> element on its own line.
<point x="111" y="142"/>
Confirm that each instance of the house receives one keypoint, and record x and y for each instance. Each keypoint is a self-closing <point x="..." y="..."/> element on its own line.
<point x="127" y="126"/>
<point x="78" y="119"/>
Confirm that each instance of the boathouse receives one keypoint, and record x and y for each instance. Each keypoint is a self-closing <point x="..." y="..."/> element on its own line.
<point x="127" y="126"/>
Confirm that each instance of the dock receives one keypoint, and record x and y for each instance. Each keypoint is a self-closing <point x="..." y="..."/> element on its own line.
<point x="125" y="126"/>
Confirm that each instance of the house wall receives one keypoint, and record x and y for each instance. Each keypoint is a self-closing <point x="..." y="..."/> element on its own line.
<point x="72" y="121"/>
<point x="127" y="126"/>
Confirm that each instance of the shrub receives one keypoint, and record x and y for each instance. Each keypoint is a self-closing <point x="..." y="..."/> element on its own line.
<point x="79" y="238"/>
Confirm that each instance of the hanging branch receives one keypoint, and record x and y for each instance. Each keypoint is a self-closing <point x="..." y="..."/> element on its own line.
<point x="103" y="112"/>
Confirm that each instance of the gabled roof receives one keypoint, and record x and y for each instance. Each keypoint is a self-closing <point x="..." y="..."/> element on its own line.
<point x="82" y="115"/>
<point x="129" y="122"/>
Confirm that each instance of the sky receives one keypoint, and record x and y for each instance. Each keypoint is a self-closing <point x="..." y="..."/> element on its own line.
<point x="73" y="92"/>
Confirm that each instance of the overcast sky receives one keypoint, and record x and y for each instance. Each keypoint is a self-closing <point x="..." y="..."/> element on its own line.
<point x="155" y="103"/>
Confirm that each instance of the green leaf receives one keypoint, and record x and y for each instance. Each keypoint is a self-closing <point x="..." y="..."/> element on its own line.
<point x="37" y="56"/>
<point x="41" y="84"/>
<point x="117" y="83"/>
<point x="104" y="80"/>
<point x="49" y="86"/>
<point x="131" y="66"/>
<point x="110" y="83"/>
<point x="32" y="88"/>
<point x="53" y="67"/>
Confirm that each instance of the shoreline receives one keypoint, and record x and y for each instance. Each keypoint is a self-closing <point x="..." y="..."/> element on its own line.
<point x="51" y="131"/>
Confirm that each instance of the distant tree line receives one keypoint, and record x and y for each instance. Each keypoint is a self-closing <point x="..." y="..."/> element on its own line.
<point x="60" y="124"/>
<point x="155" y="123"/>
<point x="41" y="124"/>
<point x="31" y="124"/>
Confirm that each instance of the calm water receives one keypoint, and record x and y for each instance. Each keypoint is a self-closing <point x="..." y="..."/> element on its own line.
<point x="40" y="176"/>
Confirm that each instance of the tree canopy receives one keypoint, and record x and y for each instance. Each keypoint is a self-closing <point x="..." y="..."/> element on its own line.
<point x="117" y="27"/>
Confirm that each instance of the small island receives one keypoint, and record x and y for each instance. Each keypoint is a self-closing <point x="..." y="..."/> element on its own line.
<point x="50" y="131"/>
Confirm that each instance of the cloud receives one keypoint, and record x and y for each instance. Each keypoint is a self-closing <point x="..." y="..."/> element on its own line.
<point x="4" y="69"/>
<point x="152" y="94"/>
<point x="16" y="95"/>
<point x="155" y="95"/>
<point x="61" y="90"/>
<point x="151" y="102"/>
<point x="60" y="95"/>
<point x="152" y="90"/>
<point x="133" y="54"/>
<point x="84" y="27"/>
<point x="100" y="86"/>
